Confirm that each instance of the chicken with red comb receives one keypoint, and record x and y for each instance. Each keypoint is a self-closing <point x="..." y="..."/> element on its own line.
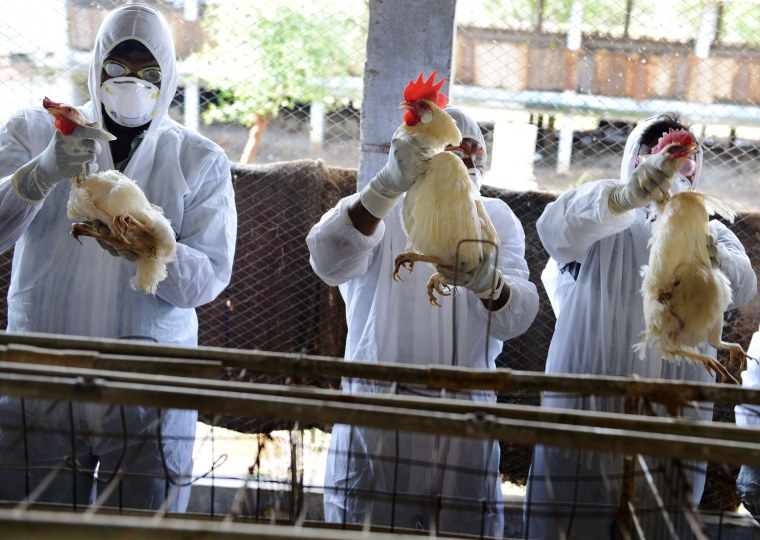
<point x="685" y="292"/>
<point x="443" y="216"/>
<point x="116" y="212"/>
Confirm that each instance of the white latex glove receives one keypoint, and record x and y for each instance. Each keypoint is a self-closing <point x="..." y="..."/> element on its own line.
<point x="405" y="162"/>
<point x="648" y="182"/>
<point x="712" y="250"/>
<point x="64" y="157"/>
<point x="483" y="281"/>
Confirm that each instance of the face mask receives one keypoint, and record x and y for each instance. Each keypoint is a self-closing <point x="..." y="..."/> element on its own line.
<point x="129" y="101"/>
<point x="475" y="175"/>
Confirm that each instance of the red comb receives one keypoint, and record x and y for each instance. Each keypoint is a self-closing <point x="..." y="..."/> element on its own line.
<point x="678" y="136"/>
<point x="427" y="90"/>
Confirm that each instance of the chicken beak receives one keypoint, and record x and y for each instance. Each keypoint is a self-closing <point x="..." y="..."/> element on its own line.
<point x="405" y="105"/>
<point x="52" y="107"/>
<point x="55" y="112"/>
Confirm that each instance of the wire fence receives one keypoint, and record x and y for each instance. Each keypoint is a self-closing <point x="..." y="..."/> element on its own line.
<point x="556" y="86"/>
<point x="270" y="478"/>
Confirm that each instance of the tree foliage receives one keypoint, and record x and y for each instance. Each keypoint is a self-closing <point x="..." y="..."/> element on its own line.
<point x="263" y="56"/>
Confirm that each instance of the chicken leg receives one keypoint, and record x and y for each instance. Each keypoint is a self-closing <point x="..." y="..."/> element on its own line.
<point x="120" y="226"/>
<point x="407" y="260"/>
<point x="711" y="364"/>
<point x="435" y="283"/>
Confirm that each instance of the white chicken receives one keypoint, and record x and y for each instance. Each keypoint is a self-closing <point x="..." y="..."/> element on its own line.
<point x="684" y="296"/>
<point x="110" y="197"/>
<point x="442" y="214"/>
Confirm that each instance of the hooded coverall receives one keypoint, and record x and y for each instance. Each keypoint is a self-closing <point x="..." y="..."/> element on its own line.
<point x="59" y="286"/>
<point x="404" y="479"/>
<point x="600" y="318"/>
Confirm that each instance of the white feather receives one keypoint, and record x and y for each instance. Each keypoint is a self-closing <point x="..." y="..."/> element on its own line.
<point x="106" y="195"/>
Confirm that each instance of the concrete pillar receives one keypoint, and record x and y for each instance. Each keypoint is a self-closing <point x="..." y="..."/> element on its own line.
<point x="405" y="37"/>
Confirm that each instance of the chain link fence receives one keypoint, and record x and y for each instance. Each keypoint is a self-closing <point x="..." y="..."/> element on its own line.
<point x="556" y="85"/>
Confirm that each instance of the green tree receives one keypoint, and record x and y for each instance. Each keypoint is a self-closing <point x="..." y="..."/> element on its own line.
<point x="263" y="56"/>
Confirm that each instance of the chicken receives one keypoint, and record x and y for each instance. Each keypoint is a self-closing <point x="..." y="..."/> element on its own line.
<point x="110" y="197"/>
<point x="442" y="214"/>
<point x="684" y="296"/>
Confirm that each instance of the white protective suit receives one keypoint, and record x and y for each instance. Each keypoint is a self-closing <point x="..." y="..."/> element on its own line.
<point x="387" y="476"/>
<point x="600" y="319"/>
<point x="748" y="482"/>
<point x="59" y="286"/>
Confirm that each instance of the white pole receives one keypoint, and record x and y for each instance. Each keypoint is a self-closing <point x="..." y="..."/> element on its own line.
<point x="708" y="27"/>
<point x="575" y="31"/>
<point x="565" y="149"/>
<point x="316" y="125"/>
<point x="192" y="92"/>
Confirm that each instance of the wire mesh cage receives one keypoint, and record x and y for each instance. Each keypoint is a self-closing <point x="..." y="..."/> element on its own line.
<point x="645" y="490"/>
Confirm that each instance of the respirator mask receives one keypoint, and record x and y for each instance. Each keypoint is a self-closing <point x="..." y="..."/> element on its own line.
<point x="474" y="157"/>
<point x="129" y="101"/>
<point x="475" y="175"/>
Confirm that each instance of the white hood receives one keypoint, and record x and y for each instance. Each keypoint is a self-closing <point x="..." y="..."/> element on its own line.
<point x="467" y="126"/>
<point x="633" y="144"/>
<point x="144" y="24"/>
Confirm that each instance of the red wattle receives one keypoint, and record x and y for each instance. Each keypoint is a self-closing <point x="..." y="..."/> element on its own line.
<point x="411" y="119"/>
<point x="65" y="126"/>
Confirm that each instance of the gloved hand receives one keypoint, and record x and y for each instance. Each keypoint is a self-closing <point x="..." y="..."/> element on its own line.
<point x="405" y="163"/>
<point x="712" y="250"/>
<point x="64" y="157"/>
<point x="647" y="182"/>
<point x="104" y="230"/>
<point x="483" y="281"/>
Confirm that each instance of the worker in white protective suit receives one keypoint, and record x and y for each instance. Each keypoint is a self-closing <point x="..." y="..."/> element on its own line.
<point x="748" y="481"/>
<point x="403" y="479"/>
<point x="59" y="286"/>
<point x="596" y="235"/>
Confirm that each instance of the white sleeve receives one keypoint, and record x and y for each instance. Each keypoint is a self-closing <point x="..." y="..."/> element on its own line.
<point x="578" y="219"/>
<point x="339" y="252"/>
<point x="15" y="151"/>
<point x="557" y="284"/>
<point x="749" y="415"/>
<point x="206" y="247"/>
<point x="735" y="264"/>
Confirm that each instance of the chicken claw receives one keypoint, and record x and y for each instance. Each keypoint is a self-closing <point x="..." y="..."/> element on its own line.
<point x="407" y="264"/>
<point x="721" y="373"/>
<point x="735" y="350"/>
<point x="123" y="222"/>
<point x="86" y="229"/>
<point x="407" y="260"/>
<point x="436" y="283"/>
